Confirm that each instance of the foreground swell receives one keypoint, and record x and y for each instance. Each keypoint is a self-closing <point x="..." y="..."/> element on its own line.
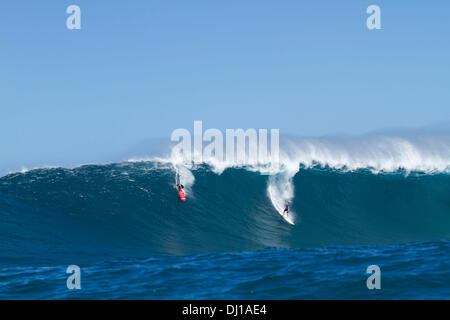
<point x="409" y="271"/>
<point x="132" y="210"/>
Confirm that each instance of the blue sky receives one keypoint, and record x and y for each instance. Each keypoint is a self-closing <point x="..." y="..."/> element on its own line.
<point x="140" y="69"/>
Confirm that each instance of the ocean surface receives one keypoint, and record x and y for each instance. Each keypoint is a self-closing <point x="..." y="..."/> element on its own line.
<point x="125" y="227"/>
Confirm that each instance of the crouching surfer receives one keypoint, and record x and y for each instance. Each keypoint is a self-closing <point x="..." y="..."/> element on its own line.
<point x="181" y="194"/>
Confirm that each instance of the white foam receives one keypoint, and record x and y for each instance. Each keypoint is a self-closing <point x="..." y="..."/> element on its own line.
<point x="377" y="152"/>
<point x="281" y="190"/>
<point x="423" y="152"/>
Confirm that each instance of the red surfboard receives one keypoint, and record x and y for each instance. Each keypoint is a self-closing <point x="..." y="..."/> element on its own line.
<point x="182" y="195"/>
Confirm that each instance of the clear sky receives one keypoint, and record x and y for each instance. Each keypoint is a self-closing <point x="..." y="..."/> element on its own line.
<point x="140" y="69"/>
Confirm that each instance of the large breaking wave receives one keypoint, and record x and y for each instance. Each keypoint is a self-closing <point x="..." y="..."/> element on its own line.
<point x="352" y="191"/>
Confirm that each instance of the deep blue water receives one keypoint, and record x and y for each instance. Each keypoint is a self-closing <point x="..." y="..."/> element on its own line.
<point x="408" y="271"/>
<point x="131" y="236"/>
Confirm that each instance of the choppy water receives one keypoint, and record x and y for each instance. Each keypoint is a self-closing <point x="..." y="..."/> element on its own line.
<point x="408" y="271"/>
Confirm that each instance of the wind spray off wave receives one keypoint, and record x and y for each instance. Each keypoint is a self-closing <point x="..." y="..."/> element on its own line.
<point x="378" y="153"/>
<point x="370" y="190"/>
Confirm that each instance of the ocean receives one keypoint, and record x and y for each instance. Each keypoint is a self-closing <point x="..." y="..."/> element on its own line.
<point x="124" y="226"/>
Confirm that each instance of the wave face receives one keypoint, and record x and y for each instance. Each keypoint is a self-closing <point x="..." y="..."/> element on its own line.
<point x="131" y="209"/>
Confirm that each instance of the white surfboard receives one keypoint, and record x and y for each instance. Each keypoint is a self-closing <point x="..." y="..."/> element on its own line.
<point x="280" y="209"/>
<point x="287" y="217"/>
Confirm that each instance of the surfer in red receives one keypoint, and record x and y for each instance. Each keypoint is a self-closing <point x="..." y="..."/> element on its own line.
<point x="286" y="209"/>
<point x="181" y="194"/>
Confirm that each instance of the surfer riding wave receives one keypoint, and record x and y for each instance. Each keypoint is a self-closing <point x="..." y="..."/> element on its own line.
<point x="286" y="209"/>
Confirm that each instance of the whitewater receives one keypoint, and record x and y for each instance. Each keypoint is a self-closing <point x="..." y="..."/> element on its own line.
<point x="374" y="199"/>
<point x="378" y="153"/>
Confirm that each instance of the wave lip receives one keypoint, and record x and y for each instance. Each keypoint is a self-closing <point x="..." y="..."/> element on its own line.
<point x="132" y="209"/>
<point x="378" y="153"/>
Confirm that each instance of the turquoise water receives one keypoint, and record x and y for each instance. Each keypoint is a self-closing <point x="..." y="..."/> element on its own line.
<point x="125" y="227"/>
